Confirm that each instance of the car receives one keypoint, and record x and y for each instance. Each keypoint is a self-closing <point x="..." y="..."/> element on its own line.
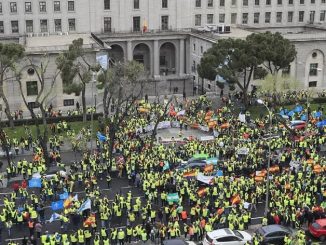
<point x="177" y="242"/>
<point x="318" y="229"/>
<point x="227" y="237"/>
<point x="274" y="234"/>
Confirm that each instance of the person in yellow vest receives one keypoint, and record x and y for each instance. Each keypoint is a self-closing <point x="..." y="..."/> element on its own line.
<point x="81" y="236"/>
<point x="88" y="236"/>
<point x="73" y="238"/>
<point x="129" y="234"/>
<point x="121" y="236"/>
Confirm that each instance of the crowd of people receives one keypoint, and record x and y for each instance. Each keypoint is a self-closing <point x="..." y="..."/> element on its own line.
<point x="297" y="186"/>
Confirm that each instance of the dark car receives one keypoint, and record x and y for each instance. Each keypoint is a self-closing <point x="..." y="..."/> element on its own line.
<point x="274" y="234"/>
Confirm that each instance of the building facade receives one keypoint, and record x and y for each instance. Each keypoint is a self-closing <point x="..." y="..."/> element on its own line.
<point x="168" y="36"/>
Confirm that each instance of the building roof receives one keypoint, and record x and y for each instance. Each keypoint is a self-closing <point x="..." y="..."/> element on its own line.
<point x="55" y="43"/>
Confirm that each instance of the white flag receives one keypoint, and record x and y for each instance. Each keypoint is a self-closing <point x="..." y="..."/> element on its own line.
<point x="54" y="217"/>
<point x="86" y="205"/>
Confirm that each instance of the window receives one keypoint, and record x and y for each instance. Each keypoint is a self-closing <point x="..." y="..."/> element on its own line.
<point x="29" y="26"/>
<point x="323" y="1"/>
<point x="107" y="4"/>
<point x="44" y="25"/>
<point x="210" y="19"/>
<point x="234" y="2"/>
<point x="28" y="7"/>
<point x="42" y="7"/>
<point x="136" y="23"/>
<point x="245" y="18"/>
<point x="136" y="4"/>
<point x="107" y="24"/>
<point x="0" y="8"/>
<point x="279" y="2"/>
<point x="268" y="17"/>
<point x="256" y="17"/>
<point x="257" y="2"/>
<point x="194" y="47"/>
<point x="57" y="25"/>
<point x="290" y="2"/>
<point x="313" y="1"/>
<point x="245" y="2"/>
<point x="72" y="24"/>
<point x="221" y="18"/>
<point x="301" y="1"/>
<point x="56" y="6"/>
<point x="210" y="3"/>
<point x="312" y="16"/>
<point x="198" y="3"/>
<point x="290" y="16"/>
<point x="198" y="20"/>
<point x="301" y="16"/>
<point x="312" y="84"/>
<point x="268" y="2"/>
<point x="14" y="26"/>
<point x="313" y="69"/>
<point x="2" y="28"/>
<point x="71" y="5"/>
<point x="32" y="105"/>
<point x="164" y="4"/>
<point x="222" y="3"/>
<point x="279" y="17"/>
<point x="69" y="102"/>
<point x="322" y="15"/>
<point x="31" y="88"/>
<point x="233" y="18"/>
<point x="165" y="22"/>
<point x="13" y="7"/>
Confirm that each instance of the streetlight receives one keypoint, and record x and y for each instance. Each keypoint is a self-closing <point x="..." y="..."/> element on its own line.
<point x="92" y="109"/>
<point x="261" y="102"/>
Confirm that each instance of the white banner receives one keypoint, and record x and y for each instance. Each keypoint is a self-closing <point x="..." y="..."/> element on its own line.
<point x="165" y="124"/>
<point x="205" y="179"/>
<point x="149" y="128"/>
<point x="216" y="134"/>
<point x="243" y="151"/>
<point x="204" y="128"/>
<point x="206" y="138"/>
<point x="175" y="124"/>
<point x="242" y="118"/>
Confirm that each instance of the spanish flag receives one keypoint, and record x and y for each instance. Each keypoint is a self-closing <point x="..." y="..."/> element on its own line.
<point x="145" y="26"/>
<point x="208" y="168"/>
<point x="235" y="199"/>
<point x="190" y="174"/>
<point x="91" y="220"/>
<point x="202" y="191"/>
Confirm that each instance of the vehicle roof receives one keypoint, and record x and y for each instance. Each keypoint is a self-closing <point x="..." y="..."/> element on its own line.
<point x="220" y="233"/>
<point x="174" y="242"/>
<point x="273" y="228"/>
<point x="321" y="222"/>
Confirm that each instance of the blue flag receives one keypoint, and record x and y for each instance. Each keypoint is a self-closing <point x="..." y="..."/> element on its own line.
<point x="57" y="205"/>
<point x="219" y="173"/>
<point x="101" y="137"/>
<point x="35" y="183"/>
<point x="298" y="108"/>
<point x="54" y="217"/>
<point x="63" y="196"/>
<point x="290" y="113"/>
<point x="317" y="114"/>
<point x="321" y="124"/>
<point x="166" y="166"/>
<point x="304" y="118"/>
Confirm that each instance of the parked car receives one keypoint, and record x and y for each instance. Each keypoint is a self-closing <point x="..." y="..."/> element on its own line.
<point x="274" y="234"/>
<point x="318" y="229"/>
<point x="226" y="237"/>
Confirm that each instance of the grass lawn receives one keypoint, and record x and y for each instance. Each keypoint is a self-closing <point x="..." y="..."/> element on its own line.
<point x="19" y="131"/>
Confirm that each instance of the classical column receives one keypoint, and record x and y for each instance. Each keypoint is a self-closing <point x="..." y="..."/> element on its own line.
<point x="129" y="51"/>
<point x="182" y="57"/>
<point x="156" y="57"/>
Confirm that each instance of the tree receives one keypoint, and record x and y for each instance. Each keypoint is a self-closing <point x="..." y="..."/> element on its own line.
<point x="277" y="53"/>
<point x="10" y="54"/>
<point x="235" y="60"/>
<point x="74" y="65"/>
<point x="46" y="80"/>
<point x="123" y="84"/>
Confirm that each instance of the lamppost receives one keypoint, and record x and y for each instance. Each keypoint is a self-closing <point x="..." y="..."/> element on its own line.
<point x="92" y="109"/>
<point x="261" y="102"/>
